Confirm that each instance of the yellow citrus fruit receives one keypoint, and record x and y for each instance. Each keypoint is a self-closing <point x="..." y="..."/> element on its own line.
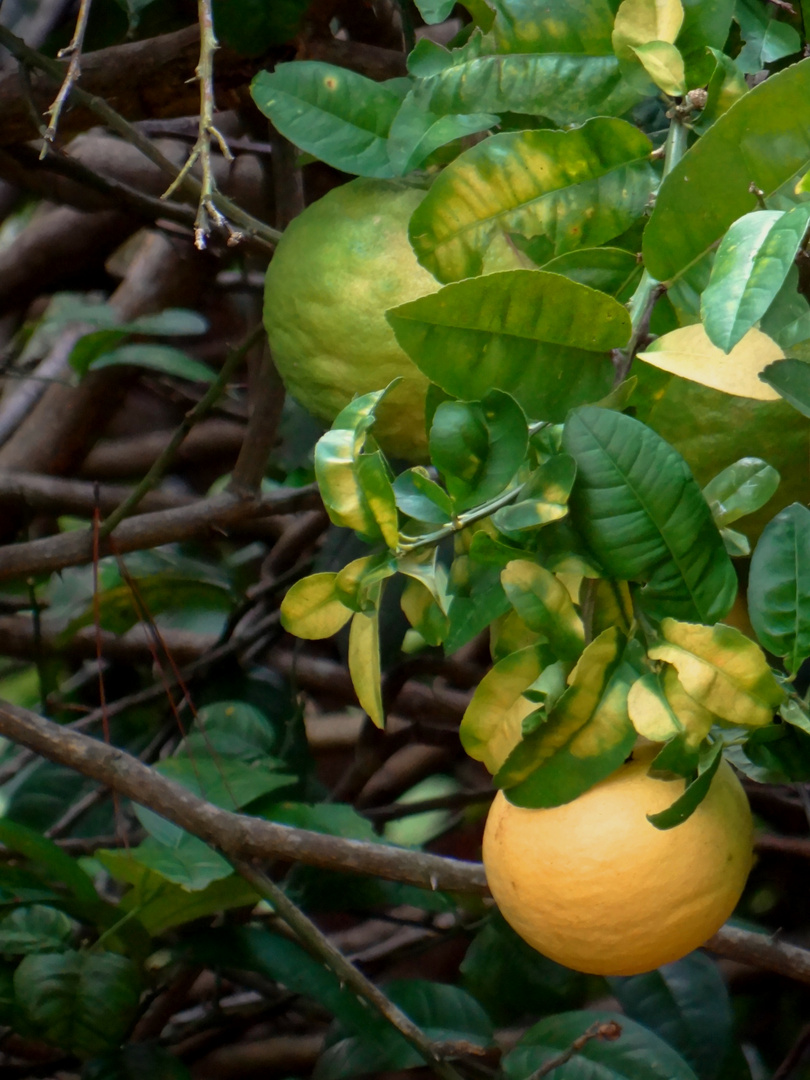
<point x="593" y="885"/>
<point x="338" y="267"/>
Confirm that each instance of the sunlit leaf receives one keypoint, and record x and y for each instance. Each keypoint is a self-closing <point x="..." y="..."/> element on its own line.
<point x="311" y="609"/>
<point x="491" y="727"/>
<point x="664" y="65"/>
<point x="641" y="21"/>
<point x="579" y="188"/>
<point x="543" y="603"/>
<point x="416" y="132"/>
<point x="721" y="669"/>
<point x="540" y="337"/>
<point x="649" y="710"/>
<point x="689" y="353"/>
<point x="586" y="736"/>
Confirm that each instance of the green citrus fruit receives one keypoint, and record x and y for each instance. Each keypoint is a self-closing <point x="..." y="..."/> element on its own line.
<point x="593" y="885"/>
<point x="336" y="270"/>
<point x="712" y="430"/>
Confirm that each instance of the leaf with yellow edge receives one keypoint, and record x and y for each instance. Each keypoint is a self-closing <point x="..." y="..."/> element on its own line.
<point x="688" y="352"/>
<point x="650" y="712"/>
<point x="639" y="22"/>
<point x="588" y="732"/>
<point x="357" y="584"/>
<point x="492" y="725"/>
<point x="312" y="610"/>
<point x="545" y="606"/>
<point x="696" y="719"/>
<point x="364" y="664"/>
<point x="722" y="670"/>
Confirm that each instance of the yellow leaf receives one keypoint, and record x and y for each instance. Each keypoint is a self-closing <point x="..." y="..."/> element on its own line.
<point x="364" y="665"/>
<point x="639" y="22"/>
<point x="650" y="711"/>
<point x="311" y="608"/>
<point x="688" y="352"/>
<point x="724" y="671"/>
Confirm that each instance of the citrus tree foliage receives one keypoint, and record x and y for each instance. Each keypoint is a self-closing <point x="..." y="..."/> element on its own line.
<point x="649" y="197"/>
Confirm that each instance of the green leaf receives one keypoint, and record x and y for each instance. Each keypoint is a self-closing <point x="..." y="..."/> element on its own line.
<point x="364" y="664"/>
<point x="478" y="447"/>
<point x="687" y="1005"/>
<point x="542" y="601"/>
<point x="587" y="736"/>
<point x="311" y="608"/>
<point x="567" y="89"/>
<point x="644" y="517"/>
<point x="713" y="183"/>
<point x="791" y="380"/>
<point x="421" y="498"/>
<point x="171" y="322"/>
<point x="611" y="270"/>
<point x="416" y="132"/>
<point x="335" y="114"/>
<point x="705" y="29"/>
<point x="44" y="852"/>
<point x="435" y="11"/>
<point x="749" y="269"/>
<point x="559" y="26"/>
<point x="540" y="337"/>
<point x="189" y="862"/>
<point x="36" y="929"/>
<point x="82" y="1002"/>
<point x="722" y="670"/>
<point x="740" y="489"/>
<point x="544" y="497"/>
<point x="491" y="727"/>
<point x="161" y="358"/>
<point x="579" y="188"/>
<point x="637" y="1054"/>
<point x="694" y="793"/>
<point x="779" y="586"/>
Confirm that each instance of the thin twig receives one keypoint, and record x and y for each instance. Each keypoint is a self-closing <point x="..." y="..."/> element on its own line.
<point x="609" y="1030"/>
<point x="346" y="972"/>
<point x="74" y="52"/>
<point x="200" y="410"/>
<point x="201" y="151"/>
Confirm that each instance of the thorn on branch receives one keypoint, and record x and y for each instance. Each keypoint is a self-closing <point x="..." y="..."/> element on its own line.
<point x="73" y="52"/>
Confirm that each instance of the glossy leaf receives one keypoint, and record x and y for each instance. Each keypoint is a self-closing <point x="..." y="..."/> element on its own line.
<point x="364" y="664"/>
<point x="331" y="112"/>
<point x="721" y="669"/>
<point x="540" y="337"/>
<point x="694" y="793"/>
<point x="689" y="353"/>
<point x="542" y="601"/>
<point x="543" y="498"/>
<point x="417" y="131"/>
<point x="559" y="26"/>
<point x="567" y="89"/>
<point x="664" y="65"/>
<point x="478" y="446"/>
<point x="790" y="378"/>
<point x="712" y="185"/>
<point x="421" y="498"/>
<point x="706" y="25"/>
<point x="650" y="712"/>
<point x="579" y="188"/>
<point x="586" y="737"/>
<point x="491" y="726"/>
<point x="749" y="269"/>
<point x="82" y="1002"/>
<point x="641" y="21"/>
<point x="645" y="518"/>
<point x="740" y="489"/>
<point x="312" y="610"/>
<point x="779" y="587"/>
<point x="687" y="1004"/>
<point x="726" y="85"/>
<point x="637" y="1054"/>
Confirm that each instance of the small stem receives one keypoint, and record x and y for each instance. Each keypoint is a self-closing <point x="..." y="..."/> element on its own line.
<point x="346" y="972"/>
<point x="203" y="406"/>
<point x="600" y="1030"/>
<point x="74" y="51"/>
<point x="461" y="522"/>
